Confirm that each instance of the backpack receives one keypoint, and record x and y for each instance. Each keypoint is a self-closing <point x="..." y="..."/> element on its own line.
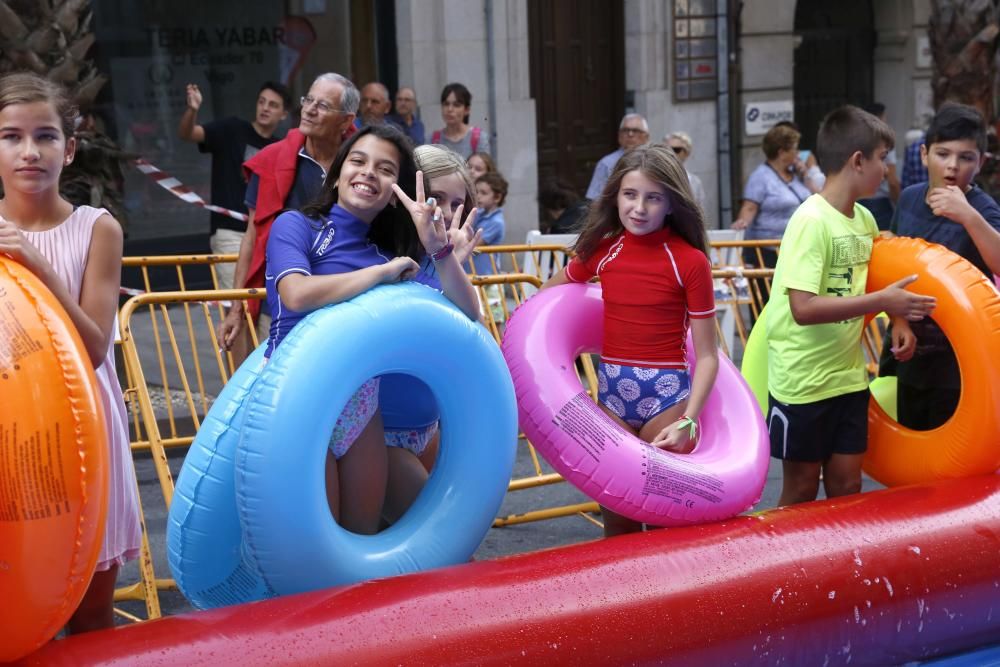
<point x="476" y="131"/>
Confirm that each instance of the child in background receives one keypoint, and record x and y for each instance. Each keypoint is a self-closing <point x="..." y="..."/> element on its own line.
<point x="480" y="163"/>
<point x="447" y="180"/>
<point x="954" y="212"/>
<point x="491" y="192"/>
<point x="817" y="381"/>
<point x="77" y="253"/>
<point x="645" y="239"/>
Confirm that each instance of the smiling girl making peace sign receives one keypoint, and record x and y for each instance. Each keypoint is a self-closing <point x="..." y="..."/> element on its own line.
<point x="363" y="231"/>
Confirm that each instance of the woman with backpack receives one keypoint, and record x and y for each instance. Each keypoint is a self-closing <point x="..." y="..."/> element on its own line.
<point x="458" y="135"/>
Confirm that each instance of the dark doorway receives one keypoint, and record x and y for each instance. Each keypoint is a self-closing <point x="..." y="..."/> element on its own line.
<point x="833" y="62"/>
<point x="373" y="43"/>
<point x="578" y="83"/>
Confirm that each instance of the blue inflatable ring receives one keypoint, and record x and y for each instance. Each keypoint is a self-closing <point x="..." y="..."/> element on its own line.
<point x="287" y="541"/>
<point x="204" y="541"/>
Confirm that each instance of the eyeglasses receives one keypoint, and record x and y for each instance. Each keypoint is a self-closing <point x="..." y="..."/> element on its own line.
<point x="632" y="131"/>
<point x="680" y="150"/>
<point x="321" y="106"/>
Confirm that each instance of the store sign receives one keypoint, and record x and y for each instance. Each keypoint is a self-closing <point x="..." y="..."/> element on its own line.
<point x="151" y="51"/>
<point x="759" y="117"/>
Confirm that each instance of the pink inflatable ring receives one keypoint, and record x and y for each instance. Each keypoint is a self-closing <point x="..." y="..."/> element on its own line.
<point x="722" y="477"/>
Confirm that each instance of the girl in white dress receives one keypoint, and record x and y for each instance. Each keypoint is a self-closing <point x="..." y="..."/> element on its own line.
<point x="77" y="253"/>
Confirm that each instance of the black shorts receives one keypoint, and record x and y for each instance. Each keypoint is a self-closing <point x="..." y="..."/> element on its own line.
<point x="816" y="431"/>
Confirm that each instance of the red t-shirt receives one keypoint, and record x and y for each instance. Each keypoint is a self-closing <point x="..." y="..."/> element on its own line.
<point x="652" y="285"/>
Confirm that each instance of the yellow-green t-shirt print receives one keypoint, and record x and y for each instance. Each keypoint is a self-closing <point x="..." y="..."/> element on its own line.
<point x="826" y="253"/>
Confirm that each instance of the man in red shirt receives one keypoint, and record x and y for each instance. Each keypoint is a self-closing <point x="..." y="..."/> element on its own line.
<point x="288" y="174"/>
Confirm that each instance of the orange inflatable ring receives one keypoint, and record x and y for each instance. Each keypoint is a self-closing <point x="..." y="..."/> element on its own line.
<point x="968" y="311"/>
<point x="53" y="464"/>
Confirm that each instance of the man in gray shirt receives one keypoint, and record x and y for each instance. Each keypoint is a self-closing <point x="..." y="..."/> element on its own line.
<point x="632" y="131"/>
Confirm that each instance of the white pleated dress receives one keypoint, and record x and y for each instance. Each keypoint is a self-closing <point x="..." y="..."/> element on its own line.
<point x="67" y="247"/>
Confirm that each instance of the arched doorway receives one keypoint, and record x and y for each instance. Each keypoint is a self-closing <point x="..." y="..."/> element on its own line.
<point x="833" y="60"/>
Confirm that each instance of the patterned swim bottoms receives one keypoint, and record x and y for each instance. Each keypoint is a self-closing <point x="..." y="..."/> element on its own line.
<point x="357" y="413"/>
<point x="638" y="394"/>
<point x="413" y="439"/>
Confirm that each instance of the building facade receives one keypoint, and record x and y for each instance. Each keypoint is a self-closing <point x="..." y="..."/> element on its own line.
<point x="550" y="79"/>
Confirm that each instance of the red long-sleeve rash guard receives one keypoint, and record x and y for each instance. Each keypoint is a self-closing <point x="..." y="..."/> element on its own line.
<point x="652" y="285"/>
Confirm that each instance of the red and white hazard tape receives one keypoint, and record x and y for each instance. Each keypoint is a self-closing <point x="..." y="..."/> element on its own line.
<point x="178" y="189"/>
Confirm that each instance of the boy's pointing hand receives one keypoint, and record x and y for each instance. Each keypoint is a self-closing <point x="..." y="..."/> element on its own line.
<point x="896" y="300"/>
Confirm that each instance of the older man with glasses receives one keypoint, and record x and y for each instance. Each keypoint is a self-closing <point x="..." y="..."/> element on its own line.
<point x="288" y="174"/>
<point x="632" y="131"/>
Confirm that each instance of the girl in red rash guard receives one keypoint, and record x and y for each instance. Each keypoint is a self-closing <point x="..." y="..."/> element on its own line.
<point x="644" y="238"/>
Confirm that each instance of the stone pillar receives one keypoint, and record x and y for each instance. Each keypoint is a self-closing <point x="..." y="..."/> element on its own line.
<point x="767" y="47"/>
<point x="648" y="63"/>
<point x="445" y="41"/>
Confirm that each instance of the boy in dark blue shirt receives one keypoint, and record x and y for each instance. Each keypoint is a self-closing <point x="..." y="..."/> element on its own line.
<point x="952" y="211"/>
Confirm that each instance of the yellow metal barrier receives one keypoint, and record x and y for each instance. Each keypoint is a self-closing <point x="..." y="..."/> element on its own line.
<point x="176" y="350"/>
<point x="760" y="288"/>
<point x="511" y="290"/>
<point x="175" y="355"/>
<point x="173" y="267"/>
<point x="184" y="373"/>
<point x="176" y="264"/>
<point x="540" y="261"/>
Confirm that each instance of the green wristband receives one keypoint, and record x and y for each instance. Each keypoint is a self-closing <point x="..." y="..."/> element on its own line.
<point x="690" y="424"/>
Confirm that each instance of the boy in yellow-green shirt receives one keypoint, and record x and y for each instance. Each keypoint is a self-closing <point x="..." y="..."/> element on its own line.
<point x="817" y="382"/>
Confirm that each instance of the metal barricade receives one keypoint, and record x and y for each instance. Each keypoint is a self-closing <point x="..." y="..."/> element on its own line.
<point x="513" y="289"/>
<point x="160" y="334"/>
<point x="154" y="270"/>
<point x="192" y="371"/>
<point x="177" y="325"/>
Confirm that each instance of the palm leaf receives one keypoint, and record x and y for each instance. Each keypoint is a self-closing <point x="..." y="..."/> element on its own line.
<point x="52" y="38"/>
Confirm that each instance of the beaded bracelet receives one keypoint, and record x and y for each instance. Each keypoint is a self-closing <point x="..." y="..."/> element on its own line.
<point x="690" y="424"/>
<point x="442" y="252"/>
